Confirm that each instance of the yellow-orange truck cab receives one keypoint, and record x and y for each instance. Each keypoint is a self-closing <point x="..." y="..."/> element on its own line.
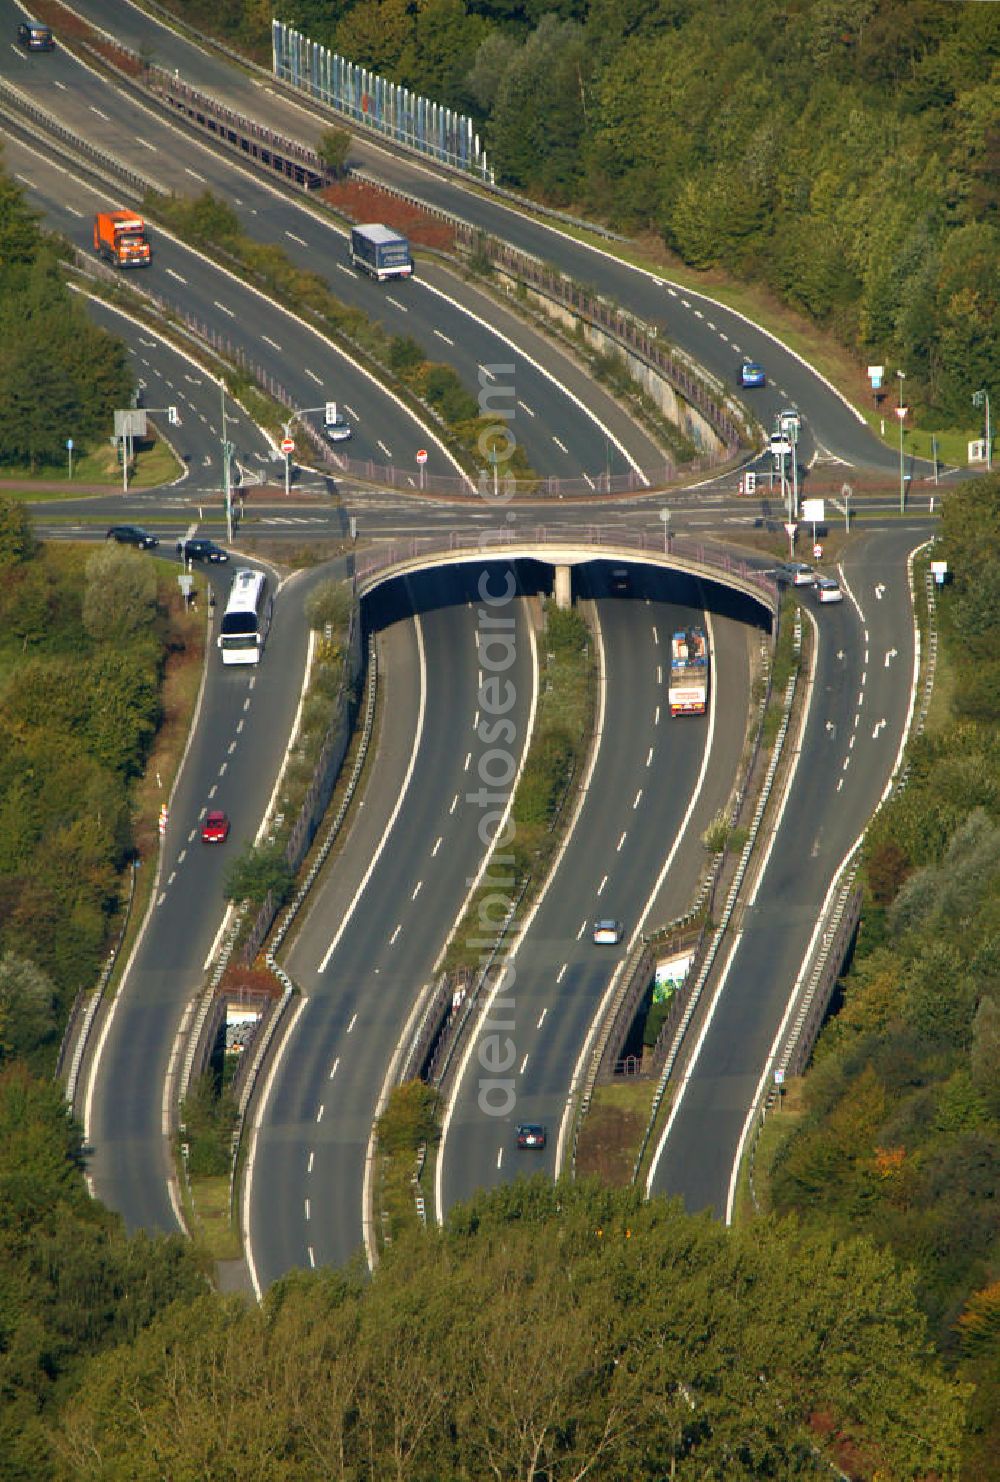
<point x="120" y="236"/>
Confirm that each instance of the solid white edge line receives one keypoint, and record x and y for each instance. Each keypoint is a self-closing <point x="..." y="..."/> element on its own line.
<point x="418" y="1004"/>
<point x="449" y="1108"/>
<point x="265" y="1097"/>
<point x="602" y="685"/>
<point x="602" y="1009"/>
<point x="807" y="958"/>
<point x="541" y="370"/>
<point x="524" y="213"/>
<point x="417" y="742"/>
<point x="272" y="1074"/>
<point x="274" y="305"/>
<point x="88" y="1100"/>
<point x="761" y="871"/>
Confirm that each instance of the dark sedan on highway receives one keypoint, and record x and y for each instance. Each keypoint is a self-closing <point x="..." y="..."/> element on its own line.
<point x="201" y="550"/>
<point x="531" y="1135"/>
<point x="133" y="535"/>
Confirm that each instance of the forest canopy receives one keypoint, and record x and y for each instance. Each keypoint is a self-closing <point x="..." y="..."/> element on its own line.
<point x="61" y="375"/>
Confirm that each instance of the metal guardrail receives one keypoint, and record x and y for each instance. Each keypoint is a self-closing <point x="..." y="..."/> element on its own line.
<point x="317" y="798"/>
<point x="301" y="165"/>
<point x="264" y="1041"/>
<point x="93" y="1003"/>
<point x="18" y="106"/>
<point x="693" y="998"/>
<point x="622" y="326"/>
<point x="846" y="910"/>
<point x="438" y="1071"/>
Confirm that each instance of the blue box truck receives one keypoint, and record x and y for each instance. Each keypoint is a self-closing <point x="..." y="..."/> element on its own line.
<point x="380" y="252"/>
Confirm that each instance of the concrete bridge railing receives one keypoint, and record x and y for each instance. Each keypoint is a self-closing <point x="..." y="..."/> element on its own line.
<point x="564" y="546"/>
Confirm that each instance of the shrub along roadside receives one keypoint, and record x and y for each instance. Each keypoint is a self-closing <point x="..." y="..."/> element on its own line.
<point x="213" y="226"/>
<point x="89" y="641"/>
<point x="409" y="1122"/>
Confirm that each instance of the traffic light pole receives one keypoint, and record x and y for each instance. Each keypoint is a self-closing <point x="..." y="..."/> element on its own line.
<point x="287" y="426"/>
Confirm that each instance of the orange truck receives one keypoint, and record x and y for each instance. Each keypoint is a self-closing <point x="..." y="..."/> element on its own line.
<point x="120" y="236"/>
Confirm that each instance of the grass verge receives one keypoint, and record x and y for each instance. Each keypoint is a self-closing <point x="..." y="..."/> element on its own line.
<point x="777" y="1127"/>
<point x="155" y="464"/>
<point x="209" y="1217"/>
<point x="612" y="1129"/>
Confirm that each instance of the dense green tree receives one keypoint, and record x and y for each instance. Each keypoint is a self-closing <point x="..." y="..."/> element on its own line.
<point x="334" y="147"/>
<point x="553" y="1332"/>
<point x="120" y="598"/>
<point x="28" y="1021"/>
<point x="443" y="48"/>
<point x="71" y="1284"/>
<point x="124" y="708"/>
<point x="256" y="872"/>
<point x="376" y="33"/>
<point x="539" y="117"/>
<point x="17" y="541"/>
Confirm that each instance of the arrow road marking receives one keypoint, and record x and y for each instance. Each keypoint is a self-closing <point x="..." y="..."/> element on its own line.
<point x="879" y="590"/>
<point x="891" y="654"/>
<point x="879" y="725"/>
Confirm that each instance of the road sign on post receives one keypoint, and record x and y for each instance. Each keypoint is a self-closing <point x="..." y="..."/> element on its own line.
<point x="288" y="448"/>
<point x="421" y="460"/>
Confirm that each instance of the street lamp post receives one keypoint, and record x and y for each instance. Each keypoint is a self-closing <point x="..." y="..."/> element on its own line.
<point x="978" y="398"/>
<point x="901" y="414"/>
<point x="665" y="517"/>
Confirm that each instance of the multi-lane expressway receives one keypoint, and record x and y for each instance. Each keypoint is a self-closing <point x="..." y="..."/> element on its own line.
<point x="565" y="423"/>
<point x="862" y="690"/>
<point x="635" y="855"/>
<point x="377" y="925"/>
<point x="714" y="335"/>
<point x="304" y="1200"/>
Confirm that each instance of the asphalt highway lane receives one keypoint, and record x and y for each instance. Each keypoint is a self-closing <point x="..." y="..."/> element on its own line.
<point x="652" y="783"/>
<point x="451" y="320"/>
<point x="362" y="971"/>
<point x="236" y="749"/>
<point x="719" y="338"/>
<point x="863" y="687"/>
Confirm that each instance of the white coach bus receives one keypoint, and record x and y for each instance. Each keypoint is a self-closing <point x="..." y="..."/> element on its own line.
<point x="246" y="619"/>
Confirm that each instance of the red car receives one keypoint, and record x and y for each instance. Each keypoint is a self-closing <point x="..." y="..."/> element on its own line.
<point x="215" y="829"/>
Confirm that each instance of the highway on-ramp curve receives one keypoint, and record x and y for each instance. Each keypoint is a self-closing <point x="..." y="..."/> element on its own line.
<point x="377" y="925"/>
<point x="862" y="695"/>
